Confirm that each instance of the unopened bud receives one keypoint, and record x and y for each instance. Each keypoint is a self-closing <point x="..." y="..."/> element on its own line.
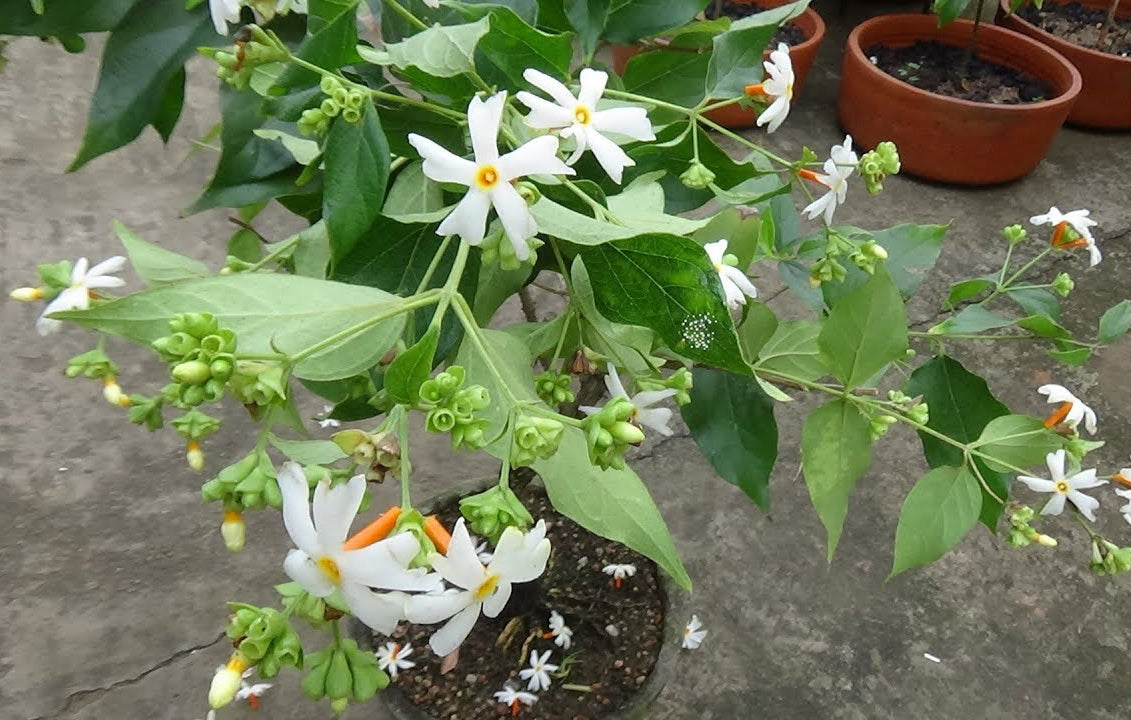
<point x="1063" y="284"/>
<point x="339" y="705"/>
<point x="1045" y="540"/>
<point x="1015" y="234"/>
<point x="195" y="456"/>
<point x="627" y="433"/>
<point x="233" y="530"/>
<point x="226" y="682"/>
<point x="698" y="176"/>
<point x="26" y="294"/>
<point x="193" y="372"/>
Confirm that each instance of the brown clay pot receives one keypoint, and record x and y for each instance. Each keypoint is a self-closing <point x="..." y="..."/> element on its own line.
<point x="801" y="55"/>
<point x="943" y="138"/>
<point x="1105" y="100"/>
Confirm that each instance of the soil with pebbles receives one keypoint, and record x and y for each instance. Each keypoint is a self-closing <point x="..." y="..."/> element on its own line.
<point x="1081" y="25"/>
<point x="789" y="33"/>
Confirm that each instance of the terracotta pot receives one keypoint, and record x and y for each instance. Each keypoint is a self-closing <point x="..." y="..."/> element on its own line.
<point x="802" y="56"/>
<point x="943" y="138"/>
<point x="637" y="707"/>
<point x="1105" y="100"/>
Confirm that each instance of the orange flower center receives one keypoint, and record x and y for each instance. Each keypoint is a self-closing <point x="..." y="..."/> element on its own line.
<point x="755" y="90"/>
<point x="485" y="590"/>
<point x="487" y="177"/>
<point x="330" y="569"/>
<point x="1058" y="415"/>
<point x="1062" y="487"/>
<point x="581" y="115"/>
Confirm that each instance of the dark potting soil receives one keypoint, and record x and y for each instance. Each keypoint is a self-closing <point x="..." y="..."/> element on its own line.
<point x="613" y="665"/>
<point x="788" y="33"/>
<point x="937" y="68"/>
<point x="1081" y="26"/>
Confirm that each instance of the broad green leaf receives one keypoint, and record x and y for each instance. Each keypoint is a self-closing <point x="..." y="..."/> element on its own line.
<point x="143" y="55"/>
<point x="666" y="283"/>
<point x="1115" y="322"/>
<point x="793" y="351"/>
<point x="303" y="150"/>
<point x="836" y="449"/>
<point x="64" y="17"/>
<point x="1036" y="301"/>
<point x="1018" y="440"/>
<point x="495" y="286"/>
<point x="968" y="289"/>
<point x="1073" y="357"/>
<point x="172" y="103"/>
<point x="698" y="34"/>
<point x="312" y="251"/>
<point x="408" y="370"/>
<point x="757" y="329"/>
<point x="673" y="76"/>
<point x="865" y="330"/>
<point x="441" y="50"/>
<point x="561" y="222"/>
<point x="330" y="43"/>
<point x="971" y="319"/>
<point x="266" y="311"/>
<point x="511" y="358"/>
<point x="630" y="20"/>
<point x="741" y="231"/>
<point x="629" y="346"/>
<point x="1044" y="327"/>
<point x="948" y="10"/>
<point x="512" y="46"/>
<point x="587" y="17"/>
<point x="307" y="452"/>
<point x="961" y="405"/>
<point x="737" y="54"/>
<point x="541" y="338"/>
<point x="156" y="265"/>
<point x="754" y="195"/>
<point x="733" y="424"/>
<point x="938" y="512"/>
<point x="413" y="197"/>
<point x="912" y="252"/>
<point x="401" y="121"/>
<point x="640" y="206"/>
<point x="357" y="168"/>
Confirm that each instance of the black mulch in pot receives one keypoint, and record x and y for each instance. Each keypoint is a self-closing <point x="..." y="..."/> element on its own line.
<point x="789" y="33"/>
<point x="1081" y="26"/>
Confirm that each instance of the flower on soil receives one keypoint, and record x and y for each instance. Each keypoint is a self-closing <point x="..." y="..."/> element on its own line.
<point x="77" y="295"/>
<point x="251" y="693"/>
<point x="1071" y="410"/>
<point x="838" y="168"/>
<point x="619" y="572"/>
<point x="322" y="564"/>
<point x="392" y="657"/>
<point x="736" y="286"/>
<point x="1065" y="487"/>
<point x="511" y="697"/>
<point x="579" y="118"/>
<point x="537" y="676"/>
<point x="519" y="557"/>
<point x="1080" y="223"/>
<point x="561" y="633"/>
<point x="693" y="633"/>
<point x="779" y="86"/>
<point x="644" y="414"/>
<point x="488" y="178"/>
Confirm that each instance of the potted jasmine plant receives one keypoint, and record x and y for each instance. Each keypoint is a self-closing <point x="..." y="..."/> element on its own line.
<point x="427" y="210"/>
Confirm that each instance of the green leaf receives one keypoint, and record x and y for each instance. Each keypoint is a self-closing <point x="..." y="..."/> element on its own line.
<point x="1073" y="357"/>
<point x="971" y="319"/>
<point x="561" y="222"/>
<point x="967" y="289"/>
<point x="441" y="50"/>
<point x="1043" y="326"/>
<point x="496" y="285"/>
<point x="172" y="102"/>
<point x="288" y="312"/>
<point x="357" y="168"/>
<point x="630" y="346"/>
<point x="143" y="55"/>
<point x="1115" y="322"/>
<point x="330" y="43"/>
<point x="1018" y="440"/>
<point x="673" y="76"/>
<point x="865" y="330"/>
<point x="737" y="54"/>
<point x="640" y="206"/>
<point x="587" y="17"/>
<point x="757" y="329"/>
<point x="630" y="20"/>
<point x="961" y="405"/>
<point x="666" y="283"/>
<point x="912" y="252"/>
<point x="63" y="17"/>
<point x="793" y="350"/>
<point x="741" y="231"/>
<point x="156" y="265"/>
<point x="938" y="512"/>
<point x="836" y="449"/>
<point x="948" y="10"/>
<point x="413" y="196"/>
<point x="411" y="368"/>
<point x="732" y="421"/>
<point x="304" y="151"/>
<point x="1036" y="301"/>
<point x="512" y="46"/>
<point x="307" y="452"/>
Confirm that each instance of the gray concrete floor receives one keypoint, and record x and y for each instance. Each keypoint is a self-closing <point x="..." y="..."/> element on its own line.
<point x="113" y="574"/>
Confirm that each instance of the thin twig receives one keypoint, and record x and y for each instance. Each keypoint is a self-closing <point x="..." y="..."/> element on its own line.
<point x="250" y="228"/>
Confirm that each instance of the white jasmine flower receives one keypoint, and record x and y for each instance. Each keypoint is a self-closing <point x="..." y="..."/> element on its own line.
<point x="77" y="295"/>
<point x="519" y="557"/>
<point x="489" y="176"/>
<point x="251" y="693"/>
<point x="563" y="636"/>
<point x="392" y="657"/>
<point x="1080" y="223"/>
<point x="619" y="572"/>
<point x="693" y="634"/>
<point x="1123" y="476"/>
<point x="327" y="421"/>
<point x="838" y="168"/>
<point x="779" y="86"/>
<point x="224" y="12"/>
<point x="1071" y="410"/>
<point x="511" y="697"/>
<point x="736" y="286"/>
<point x="579" y="118"/>
<point x="537" y="676"/>
<point x="1065" y="487"/>
<point x="322" y="564"/>
<point x="644" y="414"/>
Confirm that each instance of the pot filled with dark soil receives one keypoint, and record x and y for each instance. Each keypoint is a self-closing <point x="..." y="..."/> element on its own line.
<point x="1076" y="30"/>
<point x="803" y="34"/>
<point x="968" y="118"/>
<point x="623" y="648"/>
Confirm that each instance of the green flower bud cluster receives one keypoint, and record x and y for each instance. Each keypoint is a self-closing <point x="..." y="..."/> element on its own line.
<point x="303" y="605"/>
<point x="554" y="388"/>
<point x="196" y="425"/>
<point x="378" y="452"/>
<point x="56" y="277"/>
<point x="880" y="425"/>
<point x="254" y="47"/>
<point x="826" y="269"/>
<point x="343" y="672"/>
<point x="492" y="511"/>
<point x="609" y="433"/>
<point x="248" y="484"/>
<point x="863" y="253"/>
<point x="1022" y="534"/>
<point x="497" y="247"/>
<point x="451" y="408"/>
<point x="349" y="103"/>
<point x="866" y="255"/>
<point x="92" y="364"/>
<point x="1108" y="558"/>
<point x="681" y="381"/>
<point x="200" y="357"/>
<point x="1062" y="284"/>
<point x="535" y="438"/>
<point x="147" y="411"/>
<point x="697" y="176"/>
<point x="1015" y="234"/>
<point x="877" y="164"/>
<point x="258" y="383"/>
<point x="265" y="638"/>
<point x="916" y="410"/>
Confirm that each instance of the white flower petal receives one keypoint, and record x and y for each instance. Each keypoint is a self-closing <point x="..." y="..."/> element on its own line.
<point x="1086" y="504"/>
<point x="647" y="398"/>
<point x="1055" y="505"/>
<point x="537" y="157"/>
<point x="552" y="87"/>
<point x="1085" y="479"/>
<point x="739" y="278"/>
<point x="375" y="566"/>
<point x="428" y="609"/>
<point x="72" y="298"/>
<point x="296" y="508"/>
<point x="592" y="87"/>
<point x="440" y="164"/>
<point x="483" y="119"/>
<point x="657" y="419"/>
<point x="1037" y="484"/>
<point x="114" y="264"/>
<point x="1055" y="463"/>
<point x="335" y="508"/>
<point x="380" y="611"/>
<point x="612" y="383"/>
<point x="301" y="568"/>
<point x="1095" y="255"/>
<point x="515" y="216"/>
<point x="820" y="206"/>
<point x="612" y="159"/>
<point x="495" y="603"/>
<point x="543" y="113"/>
<point x="461" y="565"/>
<point x="516" y="560"/>
<point x="716" y="250"/>
<point x="775" y="114"/>
<point x="445" y="640"/>
<point x="103" y="281"/>
<point x="469" y="218"/>
<point x="628" y="121"/>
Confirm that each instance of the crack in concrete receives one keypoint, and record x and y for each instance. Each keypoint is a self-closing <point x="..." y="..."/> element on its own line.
<point x="659" y="444"/>
<point x="81" y="698"/>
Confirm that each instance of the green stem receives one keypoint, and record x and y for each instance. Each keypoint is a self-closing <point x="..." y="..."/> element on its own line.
<point x="1005" y="265"/>
<point x="434" y="264"/>
<point x="406" y="305"/>
<point x="720" y="104"/>
<point x="1092" y="534"/>
<point x="738" y="138"/>
<point x="280" y="248"/>
<point x="562" y="268"/>
<point x="474" y="334"/>
<point x="336" y="632"/>
<point x="505" y="463"/>
<point x="380" y="95"/>
<point x="562" y="336"/>
<point x="406" y="464"/>
<point x="403" y="12"/>
<point x="1012" y="278"/>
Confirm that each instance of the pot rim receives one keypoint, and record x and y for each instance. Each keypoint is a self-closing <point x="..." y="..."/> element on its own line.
<point x="810" y="41"/>
<point x="1046" y="36"/>
<point x="852" y="46"/>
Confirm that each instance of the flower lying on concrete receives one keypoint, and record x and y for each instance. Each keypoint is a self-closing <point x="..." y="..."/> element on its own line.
<point x="693" y="634"/>
<point x="1065" y="488"/>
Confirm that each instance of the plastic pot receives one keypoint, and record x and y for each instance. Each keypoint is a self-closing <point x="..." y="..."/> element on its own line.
<point x="1105" y="99"/>
<point x="944" y="138"/>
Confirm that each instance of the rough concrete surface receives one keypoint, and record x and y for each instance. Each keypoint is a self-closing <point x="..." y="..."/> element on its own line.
<point x="113" y="574"/>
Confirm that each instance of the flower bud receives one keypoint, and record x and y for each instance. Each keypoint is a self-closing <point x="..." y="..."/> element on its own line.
<point x="698" y="176"/>
<point x="626" y="433"/>
<point x="193" y="372"/>
<point x="351" y="116"/>
<point x="195" y="456"/>
<point x="233" y="530"/>
<point x="329" y="108"/>
<point x="492" y="511"/>
<point x="440" y="420"/>
<point x="1063" y="284"/>
<point x="226" y="682"/>
<point x="112" y="392"/>
<point x="1015" y="234"/>
<point x="26" y="294"/>
<point x="355" y="99"/>
<point x="339" y="705"/>
<point x="1045" y="540"/>
<point x="529" y="192"/>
